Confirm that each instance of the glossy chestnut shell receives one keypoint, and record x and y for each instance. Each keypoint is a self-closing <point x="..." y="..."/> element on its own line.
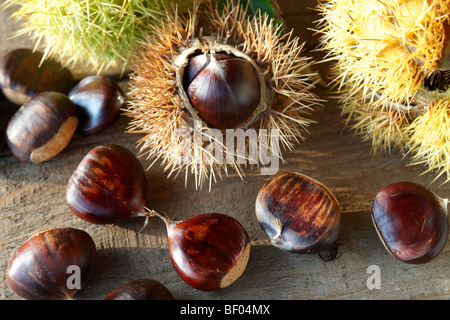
<point x="209" y="251"/>
<point x="99" y="101"/>
<point x="39" y="269"/>
<point x="42" y="127"/>
<point x="108" y="186"/>
<point x="140" y="289"/>
<point x="225" y="90"/>
<point x="411" y="221"/>
<point x="23" y="74"/>
<point x="298" y="213"/>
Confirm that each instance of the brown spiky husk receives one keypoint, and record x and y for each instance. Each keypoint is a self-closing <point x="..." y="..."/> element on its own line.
<point x="158" y="111"/>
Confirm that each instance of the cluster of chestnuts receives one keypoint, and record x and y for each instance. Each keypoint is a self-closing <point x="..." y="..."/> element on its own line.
<point x="54" y="106"/>
<point x="211" y="251"/>
<point x="56" y="263"/>
<point x="301" y="215"/>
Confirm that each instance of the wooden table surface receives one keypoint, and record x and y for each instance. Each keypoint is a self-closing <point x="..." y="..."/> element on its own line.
<point x="32" y="198"/>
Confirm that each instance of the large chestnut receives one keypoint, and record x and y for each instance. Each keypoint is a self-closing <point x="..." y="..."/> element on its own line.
<point x="225" y="90"/>
<point x="209" y="251"/>
<point x="42" y="127"/>
<point x="99" y="100"/>
<point x="108" y="186"/>
<point x="24" y="73"/>
<point x="298" y="213"/>
<point x="411" y="221"/>
<point x="140" y="289"/>
<point x="52" y="265"/>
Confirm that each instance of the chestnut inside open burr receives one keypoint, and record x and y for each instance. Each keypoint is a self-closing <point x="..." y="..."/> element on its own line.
<point x="225" y="90"/>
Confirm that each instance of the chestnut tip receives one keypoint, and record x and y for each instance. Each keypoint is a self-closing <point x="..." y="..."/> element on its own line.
<point x="411" y="222"/>
<point x="108" y="186"/>
<point x="209" y="251"/>
<point x="140" y="289"/>
<point x="298" y="213"/>
<point x="99" y="101"/>
<point x="42" y="268"/>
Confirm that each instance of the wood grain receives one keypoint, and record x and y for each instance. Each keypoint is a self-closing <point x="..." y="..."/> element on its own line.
<point x="32" y="198"/>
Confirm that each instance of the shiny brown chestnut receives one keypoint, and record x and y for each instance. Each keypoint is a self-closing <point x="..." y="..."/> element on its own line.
<point x="24" y="73"/>
<point x="411" y="221"/>
<point x="108" y="186"/>
<point x="209" y="251"/>
<point x="140" y="289"/>
<point x="298" y="213"/>
<point x="99" y="100"/>
<point x="52" y="265"/>
<point x="42" y="127"/>
<point x="224" y="90"/>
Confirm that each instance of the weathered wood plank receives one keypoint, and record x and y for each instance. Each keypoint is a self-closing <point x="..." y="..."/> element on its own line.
<point x="32" y="198"/>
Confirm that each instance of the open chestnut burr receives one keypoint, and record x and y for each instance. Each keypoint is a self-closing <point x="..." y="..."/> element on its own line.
<point x="24" y="73"/>
<point x="218" y="70"/>
<point x="42" y="127"/>
<point x="41" y="267"/>
<point x="298" y="213"/>
<point x="209" y="251"/>
<point x="411" y="221"/>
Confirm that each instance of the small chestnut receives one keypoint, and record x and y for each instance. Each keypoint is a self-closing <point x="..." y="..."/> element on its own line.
<point x="298" y="213"/>
<point x="108" y="186"/>
<point x="99" y="100"/>
<point x="225" y="90"/>
<point x="411" y="221"/>
<point x="42" y="268"/>
<point x="24" y="73"/>
<point x="209" y="251"/>
<point x="140" y="289"/>
<point x="42" y="127"/>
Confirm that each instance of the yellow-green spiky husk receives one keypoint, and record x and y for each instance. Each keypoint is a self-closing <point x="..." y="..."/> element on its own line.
<point x="156" y="106"/>
<point x="88" y="36"/>
<point x="383" y="53"/>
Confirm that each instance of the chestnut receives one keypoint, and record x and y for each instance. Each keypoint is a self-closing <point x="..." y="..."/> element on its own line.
<point x="24" y="73"/>
<point x="298" y="213"/>
<point x="108" y="186"/>
<point x="224" y="90"/>
<point x="140" y="289"/>
<point x="209" y="251"/>
<point x="99" y="100"/>
<point x="42" y="267"/>
<point x="42" y="127"/>
<point x="411" y="221"/>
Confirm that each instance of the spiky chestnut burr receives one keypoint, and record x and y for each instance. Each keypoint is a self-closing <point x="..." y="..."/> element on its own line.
<point x="391" y="70"/>
<point x="256" y="79"/>
<point x="88" y="36"/>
